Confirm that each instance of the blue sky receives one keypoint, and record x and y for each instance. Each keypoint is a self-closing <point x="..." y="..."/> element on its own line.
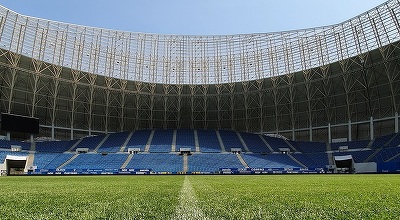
<point x="195" y="17"/>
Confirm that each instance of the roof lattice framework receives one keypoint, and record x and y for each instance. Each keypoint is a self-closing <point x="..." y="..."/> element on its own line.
<point x="178" y="59"/>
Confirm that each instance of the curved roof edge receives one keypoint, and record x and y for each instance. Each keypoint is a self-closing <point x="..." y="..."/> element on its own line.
<point x="189" y="59"/>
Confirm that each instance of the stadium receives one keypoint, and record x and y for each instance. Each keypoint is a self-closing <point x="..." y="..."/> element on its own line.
<point x="99" y="101"/>
<point x="107" y="124"/>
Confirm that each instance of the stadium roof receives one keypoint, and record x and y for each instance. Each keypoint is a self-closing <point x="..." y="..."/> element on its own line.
<point x="197" y="59"/>
<point x="304" y="83"/>
<point x="196" y="17"/>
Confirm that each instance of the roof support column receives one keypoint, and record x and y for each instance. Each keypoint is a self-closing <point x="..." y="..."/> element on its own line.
<point x="349" y="138"/>
<point x="152" y="96"/>
<point x="293" y="134"/>
<point x="192" y="107"/>
<point x="90" y="109"/>
<point x="371" y="128"/>
<point x="205" y="105"/>
<point x="245" y="86"/>
<point x="14" y="59"/>
<point x="219" y="117"/>
<point x="56" y="70"/>
<point x="52" y="132"/>
<point x="232" y="104"/>
<point x="329" y="133"/>
<point x="122" y="105"/>
<point x="179" y="107"/>
<point x="308" y="78"/>
<point x="275" y="98"/>
<point x="260" y="103"/>
<point x="37" y="67"/>
<point x="107" y="113"/>
<point x="73" y="99"/>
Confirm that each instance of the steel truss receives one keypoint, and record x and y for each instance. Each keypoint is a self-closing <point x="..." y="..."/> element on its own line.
<point x="80" y="80"/>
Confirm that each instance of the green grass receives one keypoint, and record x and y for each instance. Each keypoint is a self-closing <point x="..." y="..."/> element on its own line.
<point x="299" y="196"/>
<point x="89" y="197"/>
<point x="219" y="197"/>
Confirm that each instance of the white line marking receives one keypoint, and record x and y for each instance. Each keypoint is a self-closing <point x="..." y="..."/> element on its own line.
<point x="187" y="208"/>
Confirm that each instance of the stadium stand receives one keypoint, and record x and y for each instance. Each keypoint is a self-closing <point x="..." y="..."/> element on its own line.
<point x="139" y="139"/>
<point x="385" y="154"/>
<point x="309" y="147"/>
<point x="50" y="160"/>
<point x="97" y="161"/>
<point x="382" y="141"/>
<point x="358" y="156"/>
<point x="395" y="142"/>
<point x="208" y="141"/>
<point x="269" y="161"/>
<point x="210" y="162"/>
<point x="162" y="141"/>
<point x="3" y="154"/>
<point x="50" y="155"/>
<point x="90" y="142"/>
<point x="254" y="143"/>
<point x="359" y="144"/>
<point x="5" y="144"/>
<point x="185" y="139"/>
<point x="230" y="140"/>
<point x="54" y="146"/>
<point x="395" y="158"/>
<point x="312" y="160"/>
<point x="157" y="162"/>
<point x="114" y="142"/>
<point x="276" y="143"/>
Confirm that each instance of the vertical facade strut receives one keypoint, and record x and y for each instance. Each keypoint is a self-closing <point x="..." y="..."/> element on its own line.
<point x="305" y="84"/>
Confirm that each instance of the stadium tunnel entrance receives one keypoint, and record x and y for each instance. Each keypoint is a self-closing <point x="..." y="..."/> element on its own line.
<point x="344" y="164"/>
<point x="15" y="165"/>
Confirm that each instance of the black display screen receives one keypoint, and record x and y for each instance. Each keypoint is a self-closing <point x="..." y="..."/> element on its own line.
<point x="17" y="123"/>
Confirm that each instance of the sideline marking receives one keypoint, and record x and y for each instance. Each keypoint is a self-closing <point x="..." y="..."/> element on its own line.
<point x="187" y="208"/>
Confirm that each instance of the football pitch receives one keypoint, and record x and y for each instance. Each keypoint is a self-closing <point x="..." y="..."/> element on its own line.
<point x="201" y="197"/>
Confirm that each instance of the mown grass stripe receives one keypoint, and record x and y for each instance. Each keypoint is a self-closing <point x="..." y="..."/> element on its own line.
<point x="188" y="208"/>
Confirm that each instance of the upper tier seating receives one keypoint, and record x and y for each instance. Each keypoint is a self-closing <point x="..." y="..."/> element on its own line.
<point x="5" y="144"/>
<point x="90" y="142"/>
<point x="162" y="141"/>
<point x="350" y="144"/>
<point x="185" y="139"/>
<point x="276" y="143"/>
<point x="395" y="158"/>
<point x="254" y="143"/>
<point x="157" y="162"/>
<point x="385" y="154"/>
<point x="54" y="146"/>
<point x="208" y="141"/>
<point x="114" y="142"/>
<point x="230" y="140"/>
<point x="139" y="139"/>
<point x="395" y="142"/>
<point x="308" y="146"/>
<point x="382" y="141"/>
